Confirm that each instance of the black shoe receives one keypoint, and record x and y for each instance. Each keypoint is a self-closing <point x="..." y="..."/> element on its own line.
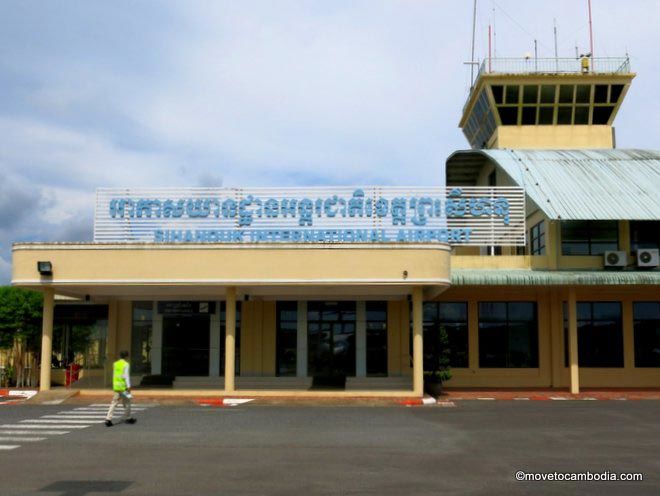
<point x="108" y="423"/>
<point x="131" y="420"/>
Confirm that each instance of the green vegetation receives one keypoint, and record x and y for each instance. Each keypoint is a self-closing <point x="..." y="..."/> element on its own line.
<point x="20" y="331"/>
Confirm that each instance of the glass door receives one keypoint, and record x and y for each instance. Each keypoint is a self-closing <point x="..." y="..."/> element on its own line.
<point x="186" y="344"/>
<point x="331" y="338"/>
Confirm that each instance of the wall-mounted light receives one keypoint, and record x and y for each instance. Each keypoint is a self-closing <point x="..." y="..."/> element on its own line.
<point x="45" y="268"/>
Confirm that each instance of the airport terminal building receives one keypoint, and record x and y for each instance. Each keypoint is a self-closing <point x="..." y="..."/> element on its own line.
<point x="539" y="259"/>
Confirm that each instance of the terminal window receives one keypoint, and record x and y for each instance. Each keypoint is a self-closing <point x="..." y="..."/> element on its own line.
<point x="600" y="334"/>
<point x="644" y="234"/>
<point x="376" y="323"/>
<point x="537" y="239"/>
<point x="589" y="237"/>
<point x="508" y="335"/>
<point x="452" y="316"/>
<point x="646" y="317"/>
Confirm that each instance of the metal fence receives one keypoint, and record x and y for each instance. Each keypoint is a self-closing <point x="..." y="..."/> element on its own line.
<point x="600" y="65"/>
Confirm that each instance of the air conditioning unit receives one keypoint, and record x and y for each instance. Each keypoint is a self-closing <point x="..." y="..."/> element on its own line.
<point x="615" y="259"/>
<point x="648" y="257"/>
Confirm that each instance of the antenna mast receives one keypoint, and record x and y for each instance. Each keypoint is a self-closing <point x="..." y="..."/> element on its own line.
<point x="591" y="32"/>
<point x="474" y="25"/>
<point x="489" y="48"/>
<point x="494" y="35"/>
<point x="554" y="21"/>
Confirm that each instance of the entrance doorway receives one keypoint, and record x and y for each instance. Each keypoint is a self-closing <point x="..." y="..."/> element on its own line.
<point x="186" y="343"/>
<point x="331" y="338"/>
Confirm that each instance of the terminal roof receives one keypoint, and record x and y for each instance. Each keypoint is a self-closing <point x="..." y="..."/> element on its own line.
<point x="598" y="184"/>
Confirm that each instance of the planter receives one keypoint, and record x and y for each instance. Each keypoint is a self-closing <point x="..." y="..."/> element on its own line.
<point x="433" y="388"/>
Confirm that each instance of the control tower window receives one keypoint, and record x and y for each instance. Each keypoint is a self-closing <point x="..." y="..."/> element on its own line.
<point x="600" y="95"/>
<point x="582" y="93"/>
<point x="498" y="94"/>
<point x="566" y="93"/>
<point x="508" y="115"/>
<point x="602" y="114"/>
<point x="528" y="115"/>
<point x="615" y="92"/>
<point x="548" y="93"/>
<point x="512" y="94"/>
<point x="565" y="115"/>
<point x="530" y="94"/>
<point x="581" y="115"/>
<point x="546" y="115"/>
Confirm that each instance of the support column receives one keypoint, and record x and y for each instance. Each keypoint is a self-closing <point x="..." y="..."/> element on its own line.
<point x="573" y="342"/>
<point x="230" y="340"/>
<point x="301" y="340"/>
<point x="361" y="339"/>
<point x="47" y="338"/>
<point x="111" y="344"/>
<point x="418" y="342"/>
<point x="156" y="341"/>
<point x="214" y="343"/>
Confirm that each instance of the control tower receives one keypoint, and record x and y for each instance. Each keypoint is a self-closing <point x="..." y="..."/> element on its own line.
<point x="546" y="103"/>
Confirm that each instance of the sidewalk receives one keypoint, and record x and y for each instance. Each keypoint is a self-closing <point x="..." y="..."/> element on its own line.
<point x="550" y="394"/>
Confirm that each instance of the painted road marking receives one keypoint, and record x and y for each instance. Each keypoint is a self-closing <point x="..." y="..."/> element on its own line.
<point x="235" y="401"/>
<point x="53" y="421"/>
<point x="27" y="394"/>
<point x="137" y="405"/>
<point x="40" y="426"/>
<point x="45" y="433"/>
<point x="9" y="446"/>
<point x="82" y="417"/>
<point x="97" y="410"/>
<point x="21" y="439"/>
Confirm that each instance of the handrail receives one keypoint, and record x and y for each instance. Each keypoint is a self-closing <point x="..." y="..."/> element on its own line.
<point x="600" y="65"/>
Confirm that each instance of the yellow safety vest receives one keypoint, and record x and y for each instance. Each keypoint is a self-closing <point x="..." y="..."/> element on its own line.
<point x="118" y="381"/>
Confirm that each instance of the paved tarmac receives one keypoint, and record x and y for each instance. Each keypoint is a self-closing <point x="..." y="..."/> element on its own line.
<point x="475" y="448"/>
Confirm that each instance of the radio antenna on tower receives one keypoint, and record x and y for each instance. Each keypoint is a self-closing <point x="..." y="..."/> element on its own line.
<point x="474" y="26"/>
<point x="554" y="21"/>
<point x="591" y="32"/>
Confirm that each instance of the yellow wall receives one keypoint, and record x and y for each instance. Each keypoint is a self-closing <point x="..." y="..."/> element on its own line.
<point x="551" y="371"/>
<point x="258" y="335"/>
<point x="83" y="268"/>
<point x="552" y="260"/>
<point x="553" y="137"/>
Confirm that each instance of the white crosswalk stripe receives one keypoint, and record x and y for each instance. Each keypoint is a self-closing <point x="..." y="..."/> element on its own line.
<point x="81" y="417"/>
<point x="24" y="432"/>
<point x="53" y="421"/>
<point x="41" y="426"/>
<point x="95" y="410"/>
<point x="63" y="422"/>
<point x="15" y="439"/>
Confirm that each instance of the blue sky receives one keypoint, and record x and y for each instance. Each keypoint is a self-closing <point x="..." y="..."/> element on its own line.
<point x="262" y="93"/>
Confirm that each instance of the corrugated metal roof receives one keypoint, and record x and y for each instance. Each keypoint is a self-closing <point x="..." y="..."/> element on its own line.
<point x="493" y="277"/>
<point x="578" y="184"/>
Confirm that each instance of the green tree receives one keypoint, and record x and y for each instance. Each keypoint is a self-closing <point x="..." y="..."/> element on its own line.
<point x="20" y="325"/>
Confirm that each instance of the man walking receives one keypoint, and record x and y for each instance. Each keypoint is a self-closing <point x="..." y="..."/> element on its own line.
<point x="121" y="385"/>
